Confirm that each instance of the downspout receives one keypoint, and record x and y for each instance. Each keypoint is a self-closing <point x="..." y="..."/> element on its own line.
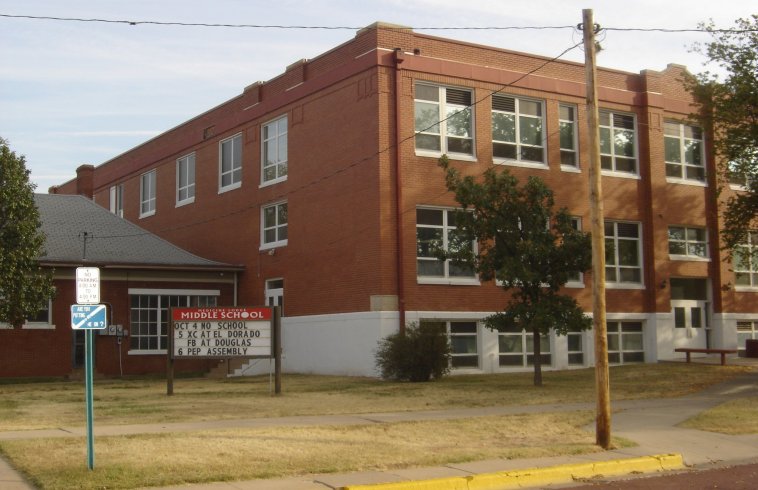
<point x="399" y="263"/>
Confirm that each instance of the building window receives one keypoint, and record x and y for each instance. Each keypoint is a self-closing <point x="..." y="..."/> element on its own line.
<point x="746" y="262"/>
<point x="230" y="163"/>
<point x="185" y="179"/>
<point x="464" y="342"/>
<point x="274" y="229"/>
<point x="274" y="138"/>
<point x="688" y="242"/>
<point x="117" y="200"/>
<point x="517" y="129"/>
<point x="444" y="120"/>
<point x="622" y="253"/>
<point x="147" y="194"/>
<point x="151" y="315"/>
<point x="568" y="135"/>
<point x="739" y="175"/>
<point x="435" y="232"/>
<point x="575" y="341"/>
<point x="577" y="279"/>
<point x="618" y="145"/>
<point x="516" y="348"/>
<point x="684" y="152"/>
<point x="625" y="342"/>
<point x="275" y="293"/>
<point x="746" y="330"/>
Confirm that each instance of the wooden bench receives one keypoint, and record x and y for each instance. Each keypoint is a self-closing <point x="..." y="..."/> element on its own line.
<point x="723" y="352"/>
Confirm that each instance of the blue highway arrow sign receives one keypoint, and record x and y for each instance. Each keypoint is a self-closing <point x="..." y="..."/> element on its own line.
<point x="84" y="317"/>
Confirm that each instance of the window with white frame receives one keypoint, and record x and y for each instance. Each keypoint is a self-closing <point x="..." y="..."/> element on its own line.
<point x="739" y="175"/>
<point x="117" y="200"/>
<point x="568" y="135"/>
<point x="618" y="142"/>
<point x="274" y="225"/>
<point x="746" y="330"/>
<point x="435" y="232"/>
<point x="625" y="342"/>
<point x="575" y="345"/>
<point x="150" y="316"/>
<point x="274" y="158"/>
<point x="576" y="279"/>
<point x="464" y="342"/>
<point x="688" y="242"/>
<point x="230" y="163"/>
<point x="684" y="151"/>
<point x="517" y="129"/>
<point x="275" y="293"/>
<point x="147" y="194"/>
<point x="185" y="179"/>
<point x="41" y="318"/>
<point x="516" y="348"/>
<point x="623" y="253"/>
<point x="444" y="120"/>
<point x="746" y="262"/>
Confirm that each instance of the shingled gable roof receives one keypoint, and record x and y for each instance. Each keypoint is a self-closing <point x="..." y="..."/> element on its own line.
<point x="113" y="241"/>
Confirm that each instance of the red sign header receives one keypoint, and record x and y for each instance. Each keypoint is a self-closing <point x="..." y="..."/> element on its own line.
<point x="223" y="313"/>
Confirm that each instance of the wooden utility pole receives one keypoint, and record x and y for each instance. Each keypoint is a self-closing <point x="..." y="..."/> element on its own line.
<point x="602" y="385"/>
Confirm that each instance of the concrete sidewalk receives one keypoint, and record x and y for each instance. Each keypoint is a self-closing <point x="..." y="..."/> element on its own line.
<point x="649" y="423"/>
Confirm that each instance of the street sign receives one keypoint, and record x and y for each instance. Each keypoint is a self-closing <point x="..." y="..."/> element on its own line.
<point x="88" y="317"/>
<point x="87" y="285"/>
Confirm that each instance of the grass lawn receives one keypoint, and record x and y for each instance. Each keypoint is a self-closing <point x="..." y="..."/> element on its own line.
<point x="734" y="417"/>
<point x="164" y="459"/>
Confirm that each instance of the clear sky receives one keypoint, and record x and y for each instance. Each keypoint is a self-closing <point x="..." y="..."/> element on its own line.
<point x="83" y="92"/>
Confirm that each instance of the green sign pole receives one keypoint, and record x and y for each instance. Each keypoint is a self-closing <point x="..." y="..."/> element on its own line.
<point x="88" y="356"/>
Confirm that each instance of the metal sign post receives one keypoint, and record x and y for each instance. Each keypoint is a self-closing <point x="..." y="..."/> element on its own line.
<point x="88" y="316"/>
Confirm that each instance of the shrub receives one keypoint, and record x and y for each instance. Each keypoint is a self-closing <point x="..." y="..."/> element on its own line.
<point x="421" y="353"/>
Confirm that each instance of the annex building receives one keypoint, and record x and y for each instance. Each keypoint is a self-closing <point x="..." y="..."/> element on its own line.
<point x="141" y="277"/>
<point x="323" y="183"/>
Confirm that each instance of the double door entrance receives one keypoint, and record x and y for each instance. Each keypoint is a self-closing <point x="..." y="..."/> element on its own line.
<point x="691" y="310"/>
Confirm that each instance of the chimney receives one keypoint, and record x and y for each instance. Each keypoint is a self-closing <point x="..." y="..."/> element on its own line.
<point x="85" y="180"/>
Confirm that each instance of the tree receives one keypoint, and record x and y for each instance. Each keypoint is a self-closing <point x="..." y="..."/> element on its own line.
<point x="24" y="286"/>
<point x="528" y="248"/>
<point x="729" y="109"/>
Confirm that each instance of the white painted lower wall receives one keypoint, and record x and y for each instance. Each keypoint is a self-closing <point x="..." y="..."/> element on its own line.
<point x="345" y="344"/>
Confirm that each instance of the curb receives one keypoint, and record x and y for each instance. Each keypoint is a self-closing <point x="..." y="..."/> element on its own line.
<point x="537" y="476"/>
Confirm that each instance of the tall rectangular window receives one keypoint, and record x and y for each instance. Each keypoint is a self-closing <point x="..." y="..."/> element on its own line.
<point x="623" y="255"/>
<point x="147" y="194"/>
<point x="274" y="138"/>
<point x="684" y="151"/>
<point x="618" y="142"/>
<point x="185" y="179"/>
<point x="746" y="262"/>
<point x="517" y="129"/>
<point x="436" y="231"/>
<point x="576" y="279"/>
<point x="230" y="163"/>
<point x="688" y="242"/>
<point x="274" y="230"/>
<point x="568" y="135"/>
<point x="444" y="120"/>
<point x="150" y="316"/>
<point x="625" y="342"/>
<point x="117" y="200"/>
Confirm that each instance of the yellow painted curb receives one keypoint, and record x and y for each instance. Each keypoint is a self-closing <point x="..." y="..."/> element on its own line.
<point x="503" y="480"/>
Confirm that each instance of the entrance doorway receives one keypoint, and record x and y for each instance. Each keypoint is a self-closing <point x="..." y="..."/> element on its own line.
<point x="691" y="310"/>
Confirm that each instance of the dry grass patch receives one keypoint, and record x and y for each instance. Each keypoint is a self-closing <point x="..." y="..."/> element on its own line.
<point x="173" y="459"/>
<point x="60" y="404"/>
<point x="735" y="417"/>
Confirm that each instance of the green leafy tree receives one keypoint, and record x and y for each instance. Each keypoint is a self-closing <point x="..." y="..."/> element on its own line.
<point x="729" y="108"/>
<point x="528" y="248"/>
<point x="24" y="286"/>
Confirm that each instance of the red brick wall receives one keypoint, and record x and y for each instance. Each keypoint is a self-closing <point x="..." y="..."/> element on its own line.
<point x="341" y="184"/>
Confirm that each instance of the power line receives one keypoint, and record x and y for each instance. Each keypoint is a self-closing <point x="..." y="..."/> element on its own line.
<point x="353" y="28"/>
